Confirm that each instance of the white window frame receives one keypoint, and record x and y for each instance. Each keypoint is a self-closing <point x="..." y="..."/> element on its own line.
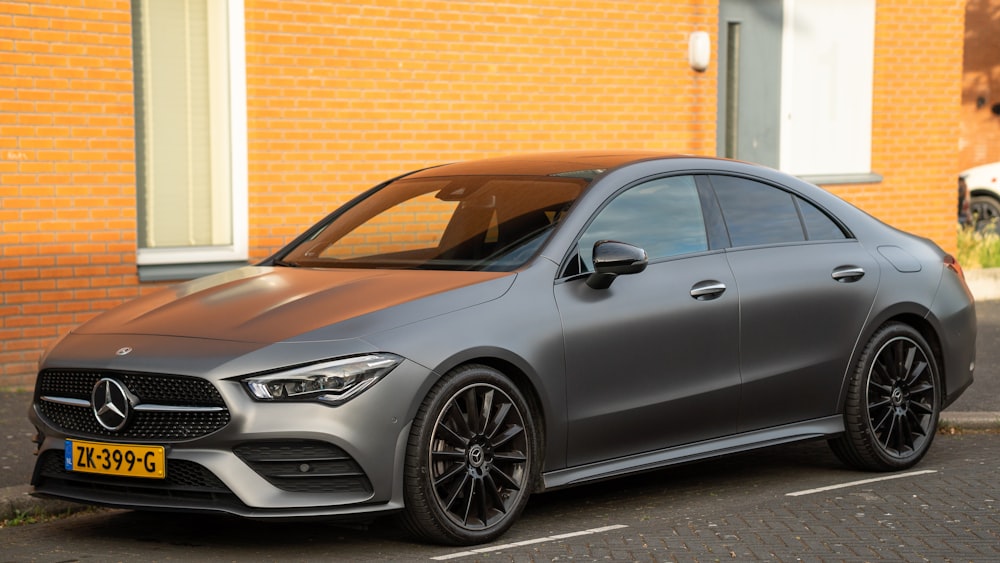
<point x="827" y="77"/>
<point x="238" y="250"/>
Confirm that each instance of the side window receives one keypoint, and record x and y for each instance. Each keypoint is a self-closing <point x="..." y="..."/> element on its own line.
<point x="757" y="213"/>
<point x="819" y="226"/>
<point x="662" y="216"/>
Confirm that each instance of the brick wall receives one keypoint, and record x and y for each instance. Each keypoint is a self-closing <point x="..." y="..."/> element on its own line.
<point x="341" y="96"/>
<point x="67" y="203"/>
<point x="980" y="128"/>
<point x="916" y="101"/>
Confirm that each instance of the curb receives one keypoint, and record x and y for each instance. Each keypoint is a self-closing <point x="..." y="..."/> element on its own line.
<point x="984" y="283"/>
<point x="17" y="503"/>
<point x="970" y="420"/>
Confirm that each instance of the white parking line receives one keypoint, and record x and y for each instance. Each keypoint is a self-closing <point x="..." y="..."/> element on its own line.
<point x="495" y="548"/>
<point x="862" y="482"/>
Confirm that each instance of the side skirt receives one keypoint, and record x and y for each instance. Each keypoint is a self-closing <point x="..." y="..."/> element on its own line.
<point x="811" y="429"/>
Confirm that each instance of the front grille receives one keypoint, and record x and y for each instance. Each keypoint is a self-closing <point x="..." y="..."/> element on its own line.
<point x="186" y="482"/>
<point x="303" y="466"/>
<point x="64" y="402"/>
<point x="155" y="426"/>
<point x="151" y="388"/>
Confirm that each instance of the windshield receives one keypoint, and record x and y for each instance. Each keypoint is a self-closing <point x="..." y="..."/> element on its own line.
<point x="491" y="223"/>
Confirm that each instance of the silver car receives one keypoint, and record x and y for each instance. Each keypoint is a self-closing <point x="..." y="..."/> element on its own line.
<point x="460" y="337"/>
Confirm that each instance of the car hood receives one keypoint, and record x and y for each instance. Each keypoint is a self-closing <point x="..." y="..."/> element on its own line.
<point x="275" y="304"/>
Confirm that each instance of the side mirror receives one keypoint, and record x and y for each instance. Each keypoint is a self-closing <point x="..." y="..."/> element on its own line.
<point x="613" y="259"/>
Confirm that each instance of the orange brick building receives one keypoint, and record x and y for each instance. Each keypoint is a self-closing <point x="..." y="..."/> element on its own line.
<point x="980" y="126"/>
<point x="325" y="99"/>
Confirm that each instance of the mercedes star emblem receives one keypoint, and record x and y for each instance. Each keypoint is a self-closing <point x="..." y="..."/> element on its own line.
<point x="111" y="404"/>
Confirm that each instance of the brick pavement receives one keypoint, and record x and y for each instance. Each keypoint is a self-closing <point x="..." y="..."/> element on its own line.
<point x="732" y="509"/>
<point x="738" y="510"/>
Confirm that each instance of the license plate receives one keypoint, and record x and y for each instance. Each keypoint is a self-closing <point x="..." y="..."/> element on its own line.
<point x="130" y="460"/>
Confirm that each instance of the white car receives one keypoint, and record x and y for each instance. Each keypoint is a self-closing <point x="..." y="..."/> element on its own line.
<point x="983" y="185"/>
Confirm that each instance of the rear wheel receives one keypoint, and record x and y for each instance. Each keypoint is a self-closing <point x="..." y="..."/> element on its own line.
<point x="471" y="458"/>
<point x="985" y="212"/>
<point x="893" y="402"/>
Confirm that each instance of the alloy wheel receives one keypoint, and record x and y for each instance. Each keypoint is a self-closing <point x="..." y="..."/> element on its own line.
<point x="479" y="457"/>
<point x="901" y="397"/>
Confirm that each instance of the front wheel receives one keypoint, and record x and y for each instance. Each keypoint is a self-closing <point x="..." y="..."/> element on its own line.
<point x="893" y="402"/>
<point x="471" y="458"/>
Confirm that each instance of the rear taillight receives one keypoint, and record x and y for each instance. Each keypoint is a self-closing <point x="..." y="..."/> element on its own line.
<point x="954" y="266"/>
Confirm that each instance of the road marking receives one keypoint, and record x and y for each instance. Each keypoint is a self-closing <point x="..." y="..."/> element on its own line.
<point x="495" y="548"/>
<point x="862" y="482"/>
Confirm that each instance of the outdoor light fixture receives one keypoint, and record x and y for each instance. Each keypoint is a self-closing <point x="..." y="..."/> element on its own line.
<point x="699" y="50"/>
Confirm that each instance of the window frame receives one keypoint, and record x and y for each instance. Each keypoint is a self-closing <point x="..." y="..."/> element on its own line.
<point x="849" y="70"/>
<point x="796" y="196"/>
<point x="173" y="263"/>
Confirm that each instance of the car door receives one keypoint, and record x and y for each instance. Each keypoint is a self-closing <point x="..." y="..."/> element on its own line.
<point x="652" y="360"/>
<point x="806" y="288"/>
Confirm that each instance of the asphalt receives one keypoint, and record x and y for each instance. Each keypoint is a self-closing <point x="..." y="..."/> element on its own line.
<point x="977" y="409"/>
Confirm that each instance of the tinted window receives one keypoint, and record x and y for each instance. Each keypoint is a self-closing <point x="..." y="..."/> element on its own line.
<point x="756" y="213"/>
<point x="663" y="217"/>
<point x="818" y="225"/>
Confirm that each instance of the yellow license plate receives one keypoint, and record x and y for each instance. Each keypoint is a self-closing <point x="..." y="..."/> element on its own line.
<point x="131" y="460"/>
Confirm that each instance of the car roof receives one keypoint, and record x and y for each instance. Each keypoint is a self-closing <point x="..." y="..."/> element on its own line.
<point x="545" y="163"/>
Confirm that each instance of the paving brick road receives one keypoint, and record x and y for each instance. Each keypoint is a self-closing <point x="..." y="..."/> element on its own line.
<point x="735" y="509"/>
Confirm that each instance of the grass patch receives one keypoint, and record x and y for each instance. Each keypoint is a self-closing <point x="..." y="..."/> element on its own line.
<point x="20" y="518"/>
<point x="34" y="515"/>
<point x="26" y="517"/>
<point x="978" y="248"/>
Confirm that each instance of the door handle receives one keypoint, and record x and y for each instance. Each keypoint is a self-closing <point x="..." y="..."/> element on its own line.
<point x="848" y="274"/>
<point x="706" y="290"/>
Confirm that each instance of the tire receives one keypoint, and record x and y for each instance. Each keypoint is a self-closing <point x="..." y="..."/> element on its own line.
<point x="985" y="212"/>
<point x="468" y="476"/>
<point x="893" y="402"/>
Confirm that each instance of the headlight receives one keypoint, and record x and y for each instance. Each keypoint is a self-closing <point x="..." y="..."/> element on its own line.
<point x="331" y="382"/>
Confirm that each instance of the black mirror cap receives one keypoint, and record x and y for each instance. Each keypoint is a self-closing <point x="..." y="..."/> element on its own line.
<point x="613" y="259"/>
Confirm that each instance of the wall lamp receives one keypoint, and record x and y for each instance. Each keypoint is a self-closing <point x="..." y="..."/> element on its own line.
<point x="699" y="50"/>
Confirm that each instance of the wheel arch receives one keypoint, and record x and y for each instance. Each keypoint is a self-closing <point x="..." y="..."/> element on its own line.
<point x="984" y="192"/>
<point x="920" y="323"/>
<point x="927" y="330"/>
<point x="526" y="381"/>
<point x="521" y="380"/>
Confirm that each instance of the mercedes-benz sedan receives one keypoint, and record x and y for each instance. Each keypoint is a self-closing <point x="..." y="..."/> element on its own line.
<point x="460" y="337"/>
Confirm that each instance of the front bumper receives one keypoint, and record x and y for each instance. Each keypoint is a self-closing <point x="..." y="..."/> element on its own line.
<point x="268" y="460"/>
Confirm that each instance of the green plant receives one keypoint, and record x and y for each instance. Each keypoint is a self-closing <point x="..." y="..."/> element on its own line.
<point x="19" y="518"/>
<point x="979" y="248"/>
<point x="34" y="515"/>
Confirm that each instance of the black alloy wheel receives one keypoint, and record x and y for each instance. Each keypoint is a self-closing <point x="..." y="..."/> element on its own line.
<point x="893" y="402"/>
<point x="471" y="459"/>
